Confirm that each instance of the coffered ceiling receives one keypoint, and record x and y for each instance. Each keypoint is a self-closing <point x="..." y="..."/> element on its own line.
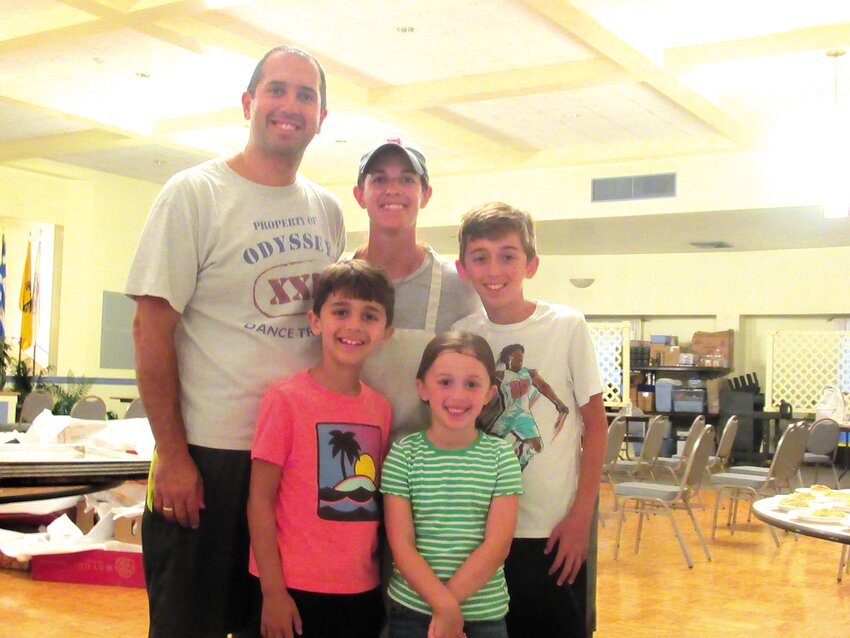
<point x="146" y="88"/>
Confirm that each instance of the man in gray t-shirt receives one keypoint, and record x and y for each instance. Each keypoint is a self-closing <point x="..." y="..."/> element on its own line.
<point x="222" y="280"/>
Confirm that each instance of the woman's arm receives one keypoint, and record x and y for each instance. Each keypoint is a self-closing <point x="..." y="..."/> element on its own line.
<point x="398" y="518"/>
<point x="280" y="614"/>
<point x="481" y="564"/>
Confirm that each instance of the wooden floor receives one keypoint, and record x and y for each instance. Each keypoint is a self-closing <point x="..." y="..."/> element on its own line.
<point x="750" y="588"/>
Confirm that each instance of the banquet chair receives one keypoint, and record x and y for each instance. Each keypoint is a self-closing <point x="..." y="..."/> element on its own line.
<point x="720" y="460"/>
<point x="89" y="407"/>
<point x="844" y="563"/>
<point x="645" y="462"/>
<point x="783" y="468"/>
<point x="136" y="410"/>
<point x="34" y="404"/>
<point x="822" y="446"/>
<point x="648" y="498"/>
<point x="677" y="463"/>
<point x="613" y="445"/>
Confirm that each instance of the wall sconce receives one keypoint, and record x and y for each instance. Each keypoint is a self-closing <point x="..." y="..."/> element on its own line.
<point x="584" y="282"/>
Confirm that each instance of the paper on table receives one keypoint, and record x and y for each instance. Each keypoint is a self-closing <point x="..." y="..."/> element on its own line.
<point x="61" y="537"/>
<point x="39" y="508"/>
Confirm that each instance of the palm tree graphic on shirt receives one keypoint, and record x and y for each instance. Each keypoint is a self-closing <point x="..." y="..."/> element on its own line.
<point x="345" y="445"/>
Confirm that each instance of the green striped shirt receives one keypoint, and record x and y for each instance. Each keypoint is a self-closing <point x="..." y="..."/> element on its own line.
<point x="450" y="493"/>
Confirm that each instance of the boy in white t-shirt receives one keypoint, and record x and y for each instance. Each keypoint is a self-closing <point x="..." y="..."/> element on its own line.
<point x="545" y="570"/>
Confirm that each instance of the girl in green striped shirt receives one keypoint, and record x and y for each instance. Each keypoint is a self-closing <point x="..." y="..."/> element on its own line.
<point x="450" y="502"/>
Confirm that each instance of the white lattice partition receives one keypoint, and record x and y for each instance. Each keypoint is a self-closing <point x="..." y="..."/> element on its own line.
<point x="801" y="362"/>
<point x="611" y="342"/>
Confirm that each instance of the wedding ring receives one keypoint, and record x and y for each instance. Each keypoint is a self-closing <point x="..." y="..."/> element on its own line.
<point x="167" y="509"/>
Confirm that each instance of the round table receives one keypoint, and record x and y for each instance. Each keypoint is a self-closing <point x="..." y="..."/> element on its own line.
<point x="765" y="510"/>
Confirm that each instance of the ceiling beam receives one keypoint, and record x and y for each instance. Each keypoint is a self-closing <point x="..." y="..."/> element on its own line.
<point x="680" y="60"/>
<point x="60" y="144"/>
<point x="111" y="22"/>
<point x="500" y="84"/>
<point x="629" y="151"/>
<point x="577" y="23"/>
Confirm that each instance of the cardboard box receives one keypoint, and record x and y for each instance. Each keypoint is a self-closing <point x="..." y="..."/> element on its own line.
<point x="128" y="529"/>
<point x="671" y="357"/>
<point x="645" y="400"/>
<point x="93" y="567"/>
<point x="704" y="343"/>
<point x="8" y="562"/>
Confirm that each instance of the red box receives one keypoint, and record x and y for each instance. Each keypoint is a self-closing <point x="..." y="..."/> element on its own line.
<point x="92" y="567"/>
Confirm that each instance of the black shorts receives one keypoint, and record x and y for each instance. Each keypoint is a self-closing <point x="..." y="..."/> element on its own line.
<point x="197" y="580"/>
<point x="539" y="607"/>
<point x="339" y="615"/>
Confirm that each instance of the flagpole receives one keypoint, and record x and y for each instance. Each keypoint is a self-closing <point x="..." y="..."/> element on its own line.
<point x="35" y="292"/>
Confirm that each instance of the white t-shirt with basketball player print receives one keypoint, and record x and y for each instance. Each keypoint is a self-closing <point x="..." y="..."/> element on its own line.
<point x="558" y="350"/>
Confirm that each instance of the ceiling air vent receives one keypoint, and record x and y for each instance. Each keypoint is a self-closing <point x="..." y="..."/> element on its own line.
<point x="710" y="245"/>
<point x="612" y="189"/>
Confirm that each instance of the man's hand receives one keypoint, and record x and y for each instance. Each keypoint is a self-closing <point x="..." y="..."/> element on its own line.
<point x="178" y="489"/>
<point x="572" y="536"/>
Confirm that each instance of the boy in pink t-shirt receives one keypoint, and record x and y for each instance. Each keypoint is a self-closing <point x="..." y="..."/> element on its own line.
<point x="321" y="436"/>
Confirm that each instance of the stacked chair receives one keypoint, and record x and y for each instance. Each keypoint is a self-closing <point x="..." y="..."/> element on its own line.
<point x="89" y="407"/>
<point x="750" y="483"/>
<point x="34" y="404"/>
<point x="644" y="464"/>
<point x="719" y="462"/>
<point x="649" y="498"/>
<point x="613" y="446"/>
<point x="822" y="446"/>
<point x="678" y="462"/>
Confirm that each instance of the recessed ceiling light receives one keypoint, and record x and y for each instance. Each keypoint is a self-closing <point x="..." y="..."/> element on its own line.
<point x="341" y="141"/>
<point x="142" y="75"/>
<point x="573" y="116"/>
<point x="97" y="60"/>
<point x="709" y="245"/>
<point x="405" y="29"/>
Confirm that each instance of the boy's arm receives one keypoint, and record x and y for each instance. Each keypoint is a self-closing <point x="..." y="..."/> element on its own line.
<point x="547" y="391"/>
<point x="280" y="614"/>
<point x="481" y="564"/>
<point x="572" y="533"/>
<point x="398" y="518"/>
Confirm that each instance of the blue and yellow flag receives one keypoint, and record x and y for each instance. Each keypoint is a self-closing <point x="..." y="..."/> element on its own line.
<point x="25" y="304"/>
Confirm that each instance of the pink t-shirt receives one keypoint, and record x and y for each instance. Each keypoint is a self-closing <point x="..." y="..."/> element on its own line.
<point x="330" y="447"/>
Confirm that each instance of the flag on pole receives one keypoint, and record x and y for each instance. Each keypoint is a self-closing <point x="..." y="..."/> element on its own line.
<point x="3" y="291"/>
<point x="25" y="304"/>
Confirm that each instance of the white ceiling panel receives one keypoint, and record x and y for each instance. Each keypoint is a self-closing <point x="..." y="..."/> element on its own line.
<point x="32" y="16"/>
<point x="20" y="122"/>
<point x="151" y="162"/>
